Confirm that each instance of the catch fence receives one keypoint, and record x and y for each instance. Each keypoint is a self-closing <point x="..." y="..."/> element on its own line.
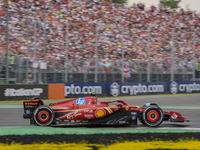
<point x="99" y="53"/>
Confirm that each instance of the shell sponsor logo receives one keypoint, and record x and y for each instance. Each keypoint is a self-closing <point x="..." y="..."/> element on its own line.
<point x="100" y="113"/>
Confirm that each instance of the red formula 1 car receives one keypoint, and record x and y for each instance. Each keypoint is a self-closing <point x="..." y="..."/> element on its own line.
<point x="88" y="111"/>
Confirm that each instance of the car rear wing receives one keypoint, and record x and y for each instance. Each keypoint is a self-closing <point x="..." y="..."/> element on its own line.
<point x="30" y="106"/>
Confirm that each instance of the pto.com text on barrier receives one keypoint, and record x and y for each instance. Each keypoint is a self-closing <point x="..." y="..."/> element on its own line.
<point x="82" y="90"/>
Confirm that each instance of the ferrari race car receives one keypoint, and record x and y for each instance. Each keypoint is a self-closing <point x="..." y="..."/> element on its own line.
<point x="87" y="111"/>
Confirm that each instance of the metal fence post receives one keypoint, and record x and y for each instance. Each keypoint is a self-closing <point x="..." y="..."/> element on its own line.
<point x="27" y="39"/>
<point x="96" y="53"/>
<point x="45" y="48"/>
<point x="172" y="56"/>
<point x="35" y="47"/>
<point x="148" y="55"/>
<point x="122" y="54"/>
<point x="39" y="72"/>
<point x="7" y="36"/>
<point x="194" y="55"/>
<point x="19" y="70"/>
<point x="66" y="51"/>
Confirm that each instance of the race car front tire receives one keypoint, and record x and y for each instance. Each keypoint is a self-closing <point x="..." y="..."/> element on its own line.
<point x="43" y="116"/>
<point x="153" y="116"/>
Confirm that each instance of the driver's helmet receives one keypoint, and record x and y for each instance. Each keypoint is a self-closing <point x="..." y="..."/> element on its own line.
<point x="93" y="94"/>
<point x="119" y="105"/>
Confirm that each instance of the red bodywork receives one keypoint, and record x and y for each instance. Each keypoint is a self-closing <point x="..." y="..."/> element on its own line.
<point x="87" y="109"/>
<point x="92" y="110"/>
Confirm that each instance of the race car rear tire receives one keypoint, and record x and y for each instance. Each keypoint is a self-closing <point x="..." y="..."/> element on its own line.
<point x="43" y="116"/>
<point x="153" y="116"/>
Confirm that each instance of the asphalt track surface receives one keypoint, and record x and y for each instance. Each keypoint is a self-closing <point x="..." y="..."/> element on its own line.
<point x="187" y="105"/>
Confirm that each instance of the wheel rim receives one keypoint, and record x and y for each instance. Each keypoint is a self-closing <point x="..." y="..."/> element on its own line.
<point x="43" y="116"/>
<point x="153" y="116"/>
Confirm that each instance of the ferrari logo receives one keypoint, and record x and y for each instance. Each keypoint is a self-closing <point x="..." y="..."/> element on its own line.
<point x="127" y="107"/>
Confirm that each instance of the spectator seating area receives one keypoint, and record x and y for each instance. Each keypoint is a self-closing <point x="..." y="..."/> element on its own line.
<point x="140" y="25"/>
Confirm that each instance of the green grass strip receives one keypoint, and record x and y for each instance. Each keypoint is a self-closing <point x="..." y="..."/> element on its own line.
<point x="181" y="107"/>
<point x="30" y="130"/>
<point x="11" y="106"/>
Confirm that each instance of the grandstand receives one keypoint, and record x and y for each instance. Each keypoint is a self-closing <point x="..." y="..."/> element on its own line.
<point x="124" y="33"/>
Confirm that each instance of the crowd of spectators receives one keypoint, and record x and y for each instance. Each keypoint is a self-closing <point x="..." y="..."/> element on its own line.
<point x="135" y="29"/>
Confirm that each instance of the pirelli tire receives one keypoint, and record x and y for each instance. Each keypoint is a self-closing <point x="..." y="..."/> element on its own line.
<point x="43" y="115"/>
<point x="153" y="116"/>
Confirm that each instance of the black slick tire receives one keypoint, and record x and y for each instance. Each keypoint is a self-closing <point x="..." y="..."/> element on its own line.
<point x="43" y="116"/>
<point x="153" y="116"/>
